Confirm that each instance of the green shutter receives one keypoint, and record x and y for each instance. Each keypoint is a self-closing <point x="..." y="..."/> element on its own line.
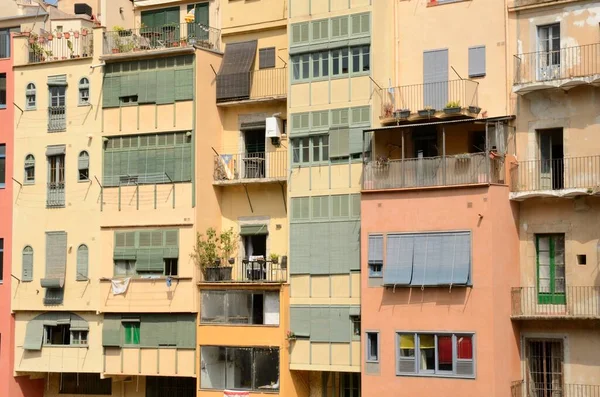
<point x="184" y="84"/>
<point x="125" y="254"/>
<point x="186" y="163"/>
<point x="149" y="260"/>
<point x="151" y="330"/>
<point x="111" y="89"/>
<point x="27" y="273"/>
<point x="170" y="162"/>
<point x="320" y="245"/>
<point x="300" y="248"/>
<point x="300" y="208"/>
<point x="111" y="330"/>
<point x="319" y="324"/>
<point x="78" y="323"/>
<point x="251" y="230"/>
<point x="355" y="144"/>
<point x="340" y="325"/>
<point x="355" y="204"/>
<point x="129" y="84"/>
<point x="34" y="334"/>
<point x="165" y="86"/>
<point x="147" y="86"/>
<point x="339" y="144"/>
<point x="300" y="321"/>
<point x="82" y="263"/>
<point x="186" y="331"/>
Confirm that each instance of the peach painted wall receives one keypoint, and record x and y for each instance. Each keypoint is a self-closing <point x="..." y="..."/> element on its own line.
<point x="9" y="385"/>
<point x="483" y="309"/>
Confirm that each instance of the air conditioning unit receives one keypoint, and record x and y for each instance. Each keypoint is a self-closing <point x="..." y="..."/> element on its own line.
<point x="274" y="126"/>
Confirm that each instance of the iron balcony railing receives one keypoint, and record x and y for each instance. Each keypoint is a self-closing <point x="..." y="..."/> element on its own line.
<point x="463" y="169"/>
<point x="572" y="302"/>
<point x="248" y="271"/>
<point x="553" y="388"/>
<point x="55" y="195"/>
<point x="565" y="63"/>
<point x="161" y="37"/>
<point x="60" y="46"/>
<point x="57" y="120"/>
<point x="245" y="166"/>
<point x="257" y="84"/>
<point x="556" y="174"/>
<point x="430" y="97"/>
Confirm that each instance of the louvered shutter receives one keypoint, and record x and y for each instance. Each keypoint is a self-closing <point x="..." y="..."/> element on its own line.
<point x="112" y="330"/>
<point x="266" y="58"/>
<point x="82" y="263"/>
<point x="34" y="334"/>
<point x="321" y="249"/>
<point x="300" y="248"/>
<point x="27" y="273"/>
<point x="477" y="61"/>
<point x="319" y="323"/>
<point x="340" y="325"/>
<point x="184" y="84"/>
<point x="56" y="260"/>
<point x="186" y="331"/>
<point x="399" y="260"/>
<point x="300" y="321"/>
<point x="83" y="161"/>
<point x="165" y="91"/>
<point x="111" y="89"/>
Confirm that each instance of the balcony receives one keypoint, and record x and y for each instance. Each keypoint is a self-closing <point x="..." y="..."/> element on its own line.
<point x="553" y="389"/>
<point x="255" y="86"/>
<point x="55" y="195"/>
<point x="573" y="303"/>
<point x="244" y="168"/>
<point x="57" y="120"/>
<point x="565" y="69"/>
<point x="58" y="46"/>
<point x="566" y="177"/>
<point x="453" y="99"/>
<point x="172" y="37"/>
<point x="248" y="271"/>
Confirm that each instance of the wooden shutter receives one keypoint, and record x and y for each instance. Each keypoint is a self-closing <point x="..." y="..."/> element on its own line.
<point x="34" y="334"/>
<point x="82" y="263"/>
<point x="300" y="321"/>
<point x="477" y="61"/>
<point x="184" y="84"/>
<point x="111" y="89"/>
<point x="165" y="86"/>
<point x="56" y="259"/>
<point x="112" y="330"/>
<point x="435" y="78"/>
<point x="27" y="273"/>
<point x="339" y="143"/>
<point x="186" y="331"/>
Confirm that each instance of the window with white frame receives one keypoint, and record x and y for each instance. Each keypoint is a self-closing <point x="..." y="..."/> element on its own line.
<point x="84" y="91"/>
<point x="30" y="97"/>
<point x="435" y="354"/>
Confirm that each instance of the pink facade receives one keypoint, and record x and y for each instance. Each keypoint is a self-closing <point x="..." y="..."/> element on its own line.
<point x="9" y="385"/>
<point x="482" y="309"/>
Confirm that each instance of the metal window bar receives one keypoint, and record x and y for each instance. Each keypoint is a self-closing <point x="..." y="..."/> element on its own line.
<point x="246" y="271"/>
<point x="42" y="48"/>
<point x="57" y="120"/>
<point x="544" y="368"/>
<point x="264" y="83"/>
<point x="243" y="166"/>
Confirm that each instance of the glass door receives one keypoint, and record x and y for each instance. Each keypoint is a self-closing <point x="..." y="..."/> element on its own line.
<point x="551" y="268"/>
<point x="549" y="52"/>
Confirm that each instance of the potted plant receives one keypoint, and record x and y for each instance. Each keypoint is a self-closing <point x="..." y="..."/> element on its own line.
<point x="121" y="31"/>
<point x="274" y="258"/>
<point x="205" y="254"/>
<point x="402" y="113"/>
<point x="59" y="35"/>
<point x="67" y="35"/>
<point x="50" y="37"/>
<point x="388" y="110"/>
<point x="452" y="107"/>
<point x="228" y="241"/>
<point x="382" y="162"/>
<point x="84" y="32"/>
<point x="428" y="111"/>
<point x="291" y="336"/>
<point x="183" y="41"/>
<point x="70" y="47"/>
<point x="76" y="34"/>
<point x="474" y="109"/>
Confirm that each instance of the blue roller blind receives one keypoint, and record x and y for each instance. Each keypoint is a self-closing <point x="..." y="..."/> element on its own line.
<point x="399" y="260"/>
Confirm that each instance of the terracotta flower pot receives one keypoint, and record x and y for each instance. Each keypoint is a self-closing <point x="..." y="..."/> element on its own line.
<point x="50" y="37"/>
<point x="67" y="36"/>
<point x="84" y="32"/>
<point x="76" y="35"/>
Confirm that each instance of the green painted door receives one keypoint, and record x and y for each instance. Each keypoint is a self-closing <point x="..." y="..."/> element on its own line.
<point x="161" y="27"/>
<point x="199" y="28"/>
<point x="551" y="268"/>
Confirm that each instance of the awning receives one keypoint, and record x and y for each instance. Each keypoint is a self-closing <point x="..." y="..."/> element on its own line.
<point x="55" y="150"/>
<point x="253" y="125"/>
<point x="233" y="80"/>
<point x="56" y="260"/>
<point x="60" y="80"/>
<point x="248" y="230"/>
<point x="428" y="259"/>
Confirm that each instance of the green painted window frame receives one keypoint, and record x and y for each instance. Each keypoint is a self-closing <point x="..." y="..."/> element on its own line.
<point x="317" y="150"/>
<point x="129" y="242"/>
<point x="350" y="213"/>
<point x="310" y="66"/>
<point x="131" y="333"/>
<point x="554" y="250"/>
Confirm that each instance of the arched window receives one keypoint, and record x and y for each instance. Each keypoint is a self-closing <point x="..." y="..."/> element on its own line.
<point x="29" y="169"/>
<point x="84" y="166"/>
<point x="30" y="98"/>
<point x="84" y="91"/>
<point x="27" y="274"/>
<point x="82" y="263"/>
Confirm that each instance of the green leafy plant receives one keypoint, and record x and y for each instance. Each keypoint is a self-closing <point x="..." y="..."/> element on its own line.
<point x="453" y="104"/>
<point x="205" y="252"/>
<point x="228" y="241"/>
<point x="70" y="47"/>
<point x="274" y="257"/>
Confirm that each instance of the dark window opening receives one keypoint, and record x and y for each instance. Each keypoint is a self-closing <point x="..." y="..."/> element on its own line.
<point x="129" y="99"/>
<point x="545" y="368"/>
<point x="2" y="90"/>
<point x="171" y="267"/>
<point x="582" y="259"/>
<point x="257" y="308"/>
<point x="254" y="156"/>
<point x="477" y="142"/>
<point x="57" y="334"/>
<point x="552" y="159"/>
<point x="87" y="384"/>
<point x="162" y="386"/>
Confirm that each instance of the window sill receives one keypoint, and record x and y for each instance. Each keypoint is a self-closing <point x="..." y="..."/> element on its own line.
<point x="84" y="181"/>
<point x="30" y="109"/>
<point x="2" y="107"/>
<point x="375" y="275"/>
<point x="251" y="391"/>
<point x="437" y="376"/>
<point x="138" y="278"/>
<point x="66" y="346"/>
<point x="435" y="3"/>
<point x="372" y="361"/>
<point x="239" y="325"/>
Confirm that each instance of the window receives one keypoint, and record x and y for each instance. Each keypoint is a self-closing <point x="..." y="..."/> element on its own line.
<point x="56" y="181"/>
<point x="373" y="347"/>
<point x="300" y="33"/>
<point x="84" y="91"/>
<point x="124" y="268"/>
<point x="355" y="327"/>
<point x="361" y="59"/>
<point x="1" y="259"/>
<point x="2" y="165"/>
<point x="315" y="146"/>
<point x="84" y="166"/>
<point x="266" y="58"/>
<point x="82" y="263"/>
<point x="5" y="41"/>
<point x="301" y="67"/>
<point x="57" y="96"/>
<point x="161" y="386"/>
<point x="30" y="97"/>
<point x="550" y="250"/>
<point x="57" y="334"/>
<point x="2" y="90"/>
<point x="549" y="51"/>
<point x="171" y="266"/>
<point x="29" y="169"/>
<point x="57" y="110"/>
<point x="240" y="307"/>
<point x="84" y="384"/>
<point x="129" y="99"/>
<point x="255" y="368"/>
<point x="146" y="252"/>
<point x="27" y="271"/>
<point x="79" y="337"/>
<point x="435" y="354"/>
<point x="350" y="385"/>
<point x="320" y="62"/>
<point x="545" y="364"/>
<point x="477" y="61"/>
<point x="131" y="331"/>
<point x="375" y="260"/>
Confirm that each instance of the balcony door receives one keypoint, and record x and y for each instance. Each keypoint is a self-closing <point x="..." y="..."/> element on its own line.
<point x="551" y="159"/>
<point x="550" y="250"/>
<point x="199" y="28"/>
<point x="56" y="180"/>
<point x="254" y="152"/>
<point x="435" y="79"/>
<point x="549" y="52"/>
<point x="544" y="368"/>
<point x="57" y="110"/>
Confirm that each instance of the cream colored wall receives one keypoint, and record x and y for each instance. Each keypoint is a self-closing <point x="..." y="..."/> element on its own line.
<point x="31" y="217"/>
<point x="444" y="25"/>
<point x="214" y="12"/>
<point x="305" y="8"/>
<point x="56" y="358"/>
<point x="117" y="13"/>
<point x="326" y="179"/>
<point x="244" y="16"/>
<point x="68" y="5"/>
<point x="148" y="118"/>
<point x="334" y="289"/>
<point x="581" y="344"/>
<point x="320" y="356"/>
<point x="150" y="361"/>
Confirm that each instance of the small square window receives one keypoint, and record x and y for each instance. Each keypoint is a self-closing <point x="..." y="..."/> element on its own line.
<point x="582" y="259"/>
<point x="375" y="270"/>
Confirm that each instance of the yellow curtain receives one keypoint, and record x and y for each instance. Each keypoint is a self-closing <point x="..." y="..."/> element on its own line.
<point x="407" y="341"/>
<point x="426" y="342"/>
